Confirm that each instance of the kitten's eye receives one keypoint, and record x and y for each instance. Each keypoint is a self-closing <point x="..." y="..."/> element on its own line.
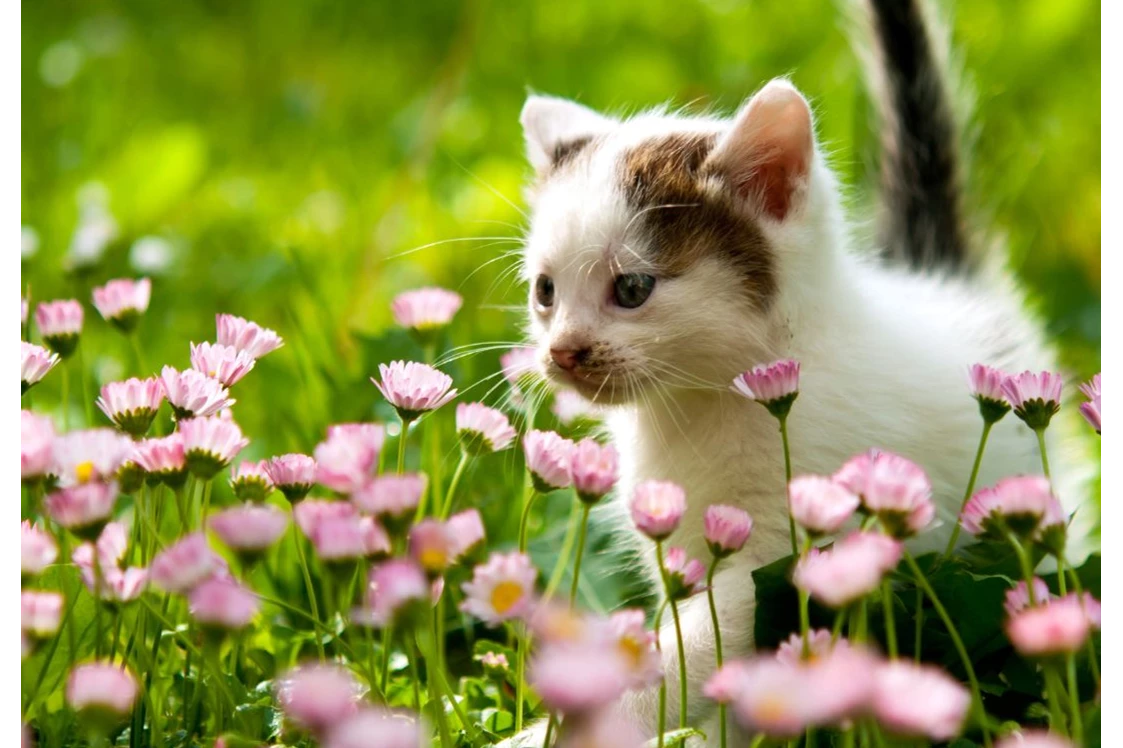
<point x="544" y="291"/>
<point x="632" y="289"/>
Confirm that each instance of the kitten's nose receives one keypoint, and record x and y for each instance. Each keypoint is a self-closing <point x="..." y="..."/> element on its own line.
<point x="568" y="358"/>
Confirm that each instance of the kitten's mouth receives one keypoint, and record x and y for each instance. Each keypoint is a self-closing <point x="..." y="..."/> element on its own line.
<point x="597" y="386"/>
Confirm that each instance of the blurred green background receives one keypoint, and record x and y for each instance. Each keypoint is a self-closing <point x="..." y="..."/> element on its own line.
<point x="281" y="159"/>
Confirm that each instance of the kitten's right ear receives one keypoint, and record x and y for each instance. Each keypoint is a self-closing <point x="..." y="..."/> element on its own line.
<point x="553" y="126"/>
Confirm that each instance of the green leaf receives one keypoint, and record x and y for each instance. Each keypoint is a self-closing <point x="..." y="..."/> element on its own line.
<point x="676" y="737"/>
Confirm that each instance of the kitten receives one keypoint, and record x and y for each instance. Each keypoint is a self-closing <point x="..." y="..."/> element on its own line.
<point x="668" y="253"/>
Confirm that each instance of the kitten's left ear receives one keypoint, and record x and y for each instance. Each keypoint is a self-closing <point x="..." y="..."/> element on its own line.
<point x="553" y="125"/>
<point x="766" y="155"/>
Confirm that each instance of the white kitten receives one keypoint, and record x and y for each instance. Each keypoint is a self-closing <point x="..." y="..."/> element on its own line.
<point x="669" y="253"/>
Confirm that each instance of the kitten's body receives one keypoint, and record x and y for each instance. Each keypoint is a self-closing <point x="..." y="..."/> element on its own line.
<point x="739" y="225"/>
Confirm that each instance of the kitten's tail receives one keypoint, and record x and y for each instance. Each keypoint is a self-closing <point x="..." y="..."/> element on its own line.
<point x="922" y="221"/>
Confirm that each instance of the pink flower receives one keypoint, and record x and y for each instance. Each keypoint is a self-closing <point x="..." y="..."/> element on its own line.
<point x="1091" y="412"/>
<point x="163" y="459"/>
<point x="250" y="481"/>
<point x="657" y="508"/>
<point x="548" y="458"/>
<point x="1036" y="397"/>
<point x="725" y="683"/>
<point x="425" y="308"/>
<point x="819" y="505"/>
<point x="1017" y="597"/>
<point x="726" y="528"/>
<point x="185" y="564"/>
<point x="340" y="540"/>
<point x="37" y="435"/>
<point x="414" y="389"/>
<point x="89" y="455"/>
<point x="222" y="362"/>
<point x="374" y="726"/>
<point x="636" y="645"/>
<point x="346" y="461"/>
<point x="1020" y="504"/>
<point x="852" y="569"/>
<point x="919" y="701"/>
<point x="467" y="530"/>
<point x="433" y="546"/>
<point x="518" y="365"/>
<point x="482" y="429"/>
<point x="603" y="679"/>
<point x="37" y="549"/>
<point x="899" y="493"/>
<point x="1092" y="388"/>
<point x="102" y="687"/>
<point x="40" y="613"/>
<point x="132" y="404"/>
<point x="209" y="444"/>
<point x="397" y="591"/>
<point x="819" y="645"/>
<point x="594" y="469"/>
<point x="293" y="474"/>
<point x="1034" y="739"/>
<point x="1091" y="608"/>
<point x="775" y="385"/>
<point x="684" y="576"/>
<point x="245" y="336"/>
<point x="855" y="471"/>
<point x="193" y="394"/>
<point x="986" y="387"/>
<point x="317" y="698"/>
<point x="122" y="301"/>
<point x="1059" y="628"/>
<point x="83" y="509"/>
<point x="309" y="513"/>
<point x="35" y="362"/>
<point x="249" y="529"/>
<point x="108" y="581"/>
<point x="569" y="407"/>
<point x="222" y="603"/>
<point x="60" y="324"/>
<point x="392" y="499"/>
<point x="500" y="589"/>
<point x="371" y="434"/>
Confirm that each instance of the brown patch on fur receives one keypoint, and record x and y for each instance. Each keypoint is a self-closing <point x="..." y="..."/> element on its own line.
<point x="669" y="171"/>
<point x="566" y="154"/>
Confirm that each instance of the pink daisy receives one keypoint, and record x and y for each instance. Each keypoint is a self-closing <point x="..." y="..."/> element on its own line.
<point x="132" y="404"/>
<point x="222" y="603"/>
<point x="594" y="469"/>
<point x="293" y="474"/>
<point x="775" y="386"/>
<point x="123" y="301"/>
<point x="414" y="389"/>
<point x="193" y="394"/>
<point x="1036" y="397"/>
<point x="726" y="529"/>
<point x="482" y="429"/>
<point x="657" y="508"/>
<point x="35" y="362"/>
<point x="209" y="444"/>
<point x="919" y="701"/>
<point x="60" y="324"/>
<point x="425" y="309"/>
<point x="222" y="362"/>
<point x="820" y="505"/>
<point x="37" y="436"/>
<point x="548" y="458"/>
<point x="246" y="337"/>
<point x="500" y="589"/>
<point x="163" y="459"/>
<point x="102" y="688"/>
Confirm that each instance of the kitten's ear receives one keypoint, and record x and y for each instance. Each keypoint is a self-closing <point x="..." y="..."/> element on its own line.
<point x="766" y="155"/>
<point x="551" y="125"/>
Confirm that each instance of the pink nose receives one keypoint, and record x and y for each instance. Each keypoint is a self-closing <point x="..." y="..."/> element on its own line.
<point x="568" y="358"/>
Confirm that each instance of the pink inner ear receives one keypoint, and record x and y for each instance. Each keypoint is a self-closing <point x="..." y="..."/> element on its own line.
<point x="768" y="152"/>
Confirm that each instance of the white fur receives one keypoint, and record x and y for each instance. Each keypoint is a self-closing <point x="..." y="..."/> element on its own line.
<point x="883" y="352"/>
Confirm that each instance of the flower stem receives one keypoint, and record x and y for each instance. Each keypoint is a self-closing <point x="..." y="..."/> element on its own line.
<point x="1044" y="453"/>
<point x="446" y="508"/>
<point x="138" y="353"/>
<point x="805" y="612"/>
<point x="717" y="641"/>
<point x="788" y="482"/>
<point x="522" y="642"/>
<point x="387" y="645"/>
<point x="922" y="583"/>
<point x="1056" y="711"/>
<point x="987" y="425"/>
<point x="311" y="590"/>
<point x="678" y="638"/>
<point x="663" y="679"/>
<point x="919" y="636"/>
<point x="890" y="624"/>
<point x="580" y="553"/>
<point x="528" y="502"/>
<point x="562" y="561"/>
<point x="1074" y="701"/>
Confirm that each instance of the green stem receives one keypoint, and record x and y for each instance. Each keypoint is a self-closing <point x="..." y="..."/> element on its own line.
<point x="678" y="638"/>
<point x="805" y="612"/>
<point x="987" y="425"/>
<point x="520" y="676"/>
<point x="787" y="482"/>
<point x="918" y="638"/>
<point x="1026" y="564"/>
<point x="189" y="646"/>
<point x="1074" y="700"/>
<point x="717" y="642"/>
<point x="1053" y="687"/>
<point x="922" y="582"/>
<point x="446" y="507"/>
<point x="206" y="506"/>
<point x="662" y="680"/>
<point x="1044" y="453"/>
<point x="551" y="723"/>
<point x="308" y="586"/>
<point x="580" y="552"/>
<point x="72" y="599"/>
<point x="387" y="645"/>
<point x="528" y="502"/>
<point x="116" y="634"/>
<point x="562" y="561"/>
<point x="434" y="690"/>
<point x="138" y="353"/>
<point x="890" y="624"/>
<point x="402" y="444"/>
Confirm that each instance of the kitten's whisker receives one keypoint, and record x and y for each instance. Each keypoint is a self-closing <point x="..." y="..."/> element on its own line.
<point x="490" y="188"/>
<point x="498" y="239"/>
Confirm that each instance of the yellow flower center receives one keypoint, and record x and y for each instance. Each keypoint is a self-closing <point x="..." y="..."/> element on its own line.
<point x="84" y="471"/>
<point x="505" y="595"/>
<point x="433" y="559"/>
<point x="632" y="650"/>
<point x="771" y="709"/>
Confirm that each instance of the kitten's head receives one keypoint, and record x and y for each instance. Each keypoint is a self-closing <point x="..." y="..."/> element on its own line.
<point x="659" y="244"/>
